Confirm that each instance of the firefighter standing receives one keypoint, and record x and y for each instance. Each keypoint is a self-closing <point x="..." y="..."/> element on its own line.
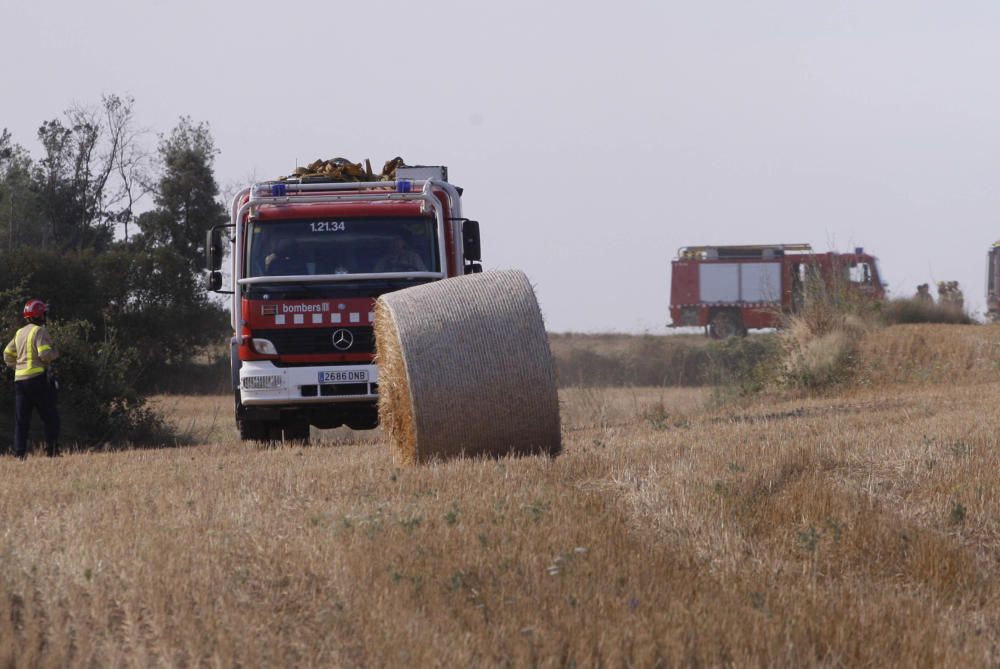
<point x="29" y="353"/>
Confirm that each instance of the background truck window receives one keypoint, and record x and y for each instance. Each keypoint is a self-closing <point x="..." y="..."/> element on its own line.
<point x="859" y="272"/>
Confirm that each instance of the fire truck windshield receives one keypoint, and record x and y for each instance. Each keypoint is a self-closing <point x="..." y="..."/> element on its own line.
<point x="341" y="246"/>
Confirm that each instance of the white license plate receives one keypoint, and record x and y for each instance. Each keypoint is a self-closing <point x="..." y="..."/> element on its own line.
<point x="344" y="376"/>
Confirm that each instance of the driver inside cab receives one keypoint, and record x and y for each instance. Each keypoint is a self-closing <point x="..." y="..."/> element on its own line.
<point x="282" y="261"/>
<point x="400" y="258"/>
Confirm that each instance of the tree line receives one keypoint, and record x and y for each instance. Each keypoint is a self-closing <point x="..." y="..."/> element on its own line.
<point x="110" y="232"/>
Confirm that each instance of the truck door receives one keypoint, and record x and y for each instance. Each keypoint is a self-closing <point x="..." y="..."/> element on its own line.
<point x="860" y="273"/>
<point x="862" y="276"/>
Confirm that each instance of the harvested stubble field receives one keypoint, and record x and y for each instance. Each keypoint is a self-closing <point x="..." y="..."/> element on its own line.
<point x="861" y="528"/>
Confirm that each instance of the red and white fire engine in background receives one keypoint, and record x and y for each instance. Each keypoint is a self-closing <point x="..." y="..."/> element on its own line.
<point x="308" y="261"/>
<point x="993" y="283"/>
<point x="730" y="289"/>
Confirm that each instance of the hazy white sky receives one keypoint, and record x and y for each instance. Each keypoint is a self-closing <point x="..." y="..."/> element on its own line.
<point x="593" y="139"/>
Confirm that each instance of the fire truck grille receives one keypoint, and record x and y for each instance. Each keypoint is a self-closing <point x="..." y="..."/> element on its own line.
<point x="305" y="341"/>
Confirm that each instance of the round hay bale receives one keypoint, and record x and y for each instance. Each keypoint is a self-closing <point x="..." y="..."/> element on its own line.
<point x="465" y="369"/>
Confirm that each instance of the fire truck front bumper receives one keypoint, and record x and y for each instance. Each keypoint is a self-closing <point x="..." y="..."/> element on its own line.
<point x="263" y="383"/>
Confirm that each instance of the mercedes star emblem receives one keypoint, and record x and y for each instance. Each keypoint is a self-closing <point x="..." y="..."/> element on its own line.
<point x="343" y="339"/>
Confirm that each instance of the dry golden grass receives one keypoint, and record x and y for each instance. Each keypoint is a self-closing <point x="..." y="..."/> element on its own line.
<point x="932" y="354"/>
<point x="854" y="530"/>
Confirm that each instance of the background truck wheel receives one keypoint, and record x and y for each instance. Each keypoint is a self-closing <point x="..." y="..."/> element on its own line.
<point x="726" y="324"/>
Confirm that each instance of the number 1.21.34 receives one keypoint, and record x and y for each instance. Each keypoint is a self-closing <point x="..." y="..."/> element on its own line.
<point x="327" y="226"/>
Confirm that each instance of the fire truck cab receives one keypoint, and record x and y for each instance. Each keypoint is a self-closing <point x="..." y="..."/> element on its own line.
<point x="308" y="259"/>
<point x="731" y="289"/>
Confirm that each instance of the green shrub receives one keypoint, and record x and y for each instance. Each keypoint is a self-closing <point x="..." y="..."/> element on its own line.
<point x="119" y="319"/>
<point x="98" y="403"/>
<point x="744" y="365"/>
<point x="630" y="360"/>
<point x="649" y="360"/>
<point x="98" y="390"/>
<point x="900" y="311"/>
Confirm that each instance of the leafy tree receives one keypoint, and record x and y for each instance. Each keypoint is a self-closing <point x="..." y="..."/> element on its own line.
<point x="186" y="197"/>
<point x="89" y="177"/>
<point x="125" y="310"/>
<point x="19" y="207"/>
<point x="167" y="311"/>
<point x="156" y="304"/>
<point x="130" y="161"/>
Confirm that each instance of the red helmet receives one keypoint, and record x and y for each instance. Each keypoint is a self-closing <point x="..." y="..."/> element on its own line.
<point x="35" y="309"/>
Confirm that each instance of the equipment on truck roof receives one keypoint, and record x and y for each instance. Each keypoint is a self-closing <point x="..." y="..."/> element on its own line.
<point x="751" y="251"/>
<point x="341" y="170"/>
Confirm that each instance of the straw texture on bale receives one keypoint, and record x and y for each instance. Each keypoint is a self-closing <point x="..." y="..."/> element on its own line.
<point x="465" y="369"/>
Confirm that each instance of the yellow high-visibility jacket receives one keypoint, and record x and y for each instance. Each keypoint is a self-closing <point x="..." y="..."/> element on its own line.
<point x="30" y="352"/>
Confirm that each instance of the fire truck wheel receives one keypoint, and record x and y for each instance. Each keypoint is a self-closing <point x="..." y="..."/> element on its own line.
<point x="725" y="324"/>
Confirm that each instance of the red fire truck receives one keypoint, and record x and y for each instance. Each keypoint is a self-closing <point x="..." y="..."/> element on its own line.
<point x="730" y="289"/>
<point x="309" y="258"/>
<point x="993" y="283"/>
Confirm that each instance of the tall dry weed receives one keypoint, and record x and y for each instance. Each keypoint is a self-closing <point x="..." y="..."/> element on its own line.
<point x="930" y="354"/>
<point x="821" y="358"/>
<point x="821" y="340"/>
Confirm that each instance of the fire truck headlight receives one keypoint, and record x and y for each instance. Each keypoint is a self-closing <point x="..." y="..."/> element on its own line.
<point x="268" y="382"/>
<point x="264" y="347"/>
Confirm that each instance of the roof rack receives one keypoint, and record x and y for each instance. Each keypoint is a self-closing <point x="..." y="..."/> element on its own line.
<point x="763" y="251"/>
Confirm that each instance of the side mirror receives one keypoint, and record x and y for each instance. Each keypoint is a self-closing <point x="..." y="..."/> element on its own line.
<point x="471" y="248"/>
<point x="473" y="268"/>
<point x="213" y="281"/>
<point x="214" y="250"/>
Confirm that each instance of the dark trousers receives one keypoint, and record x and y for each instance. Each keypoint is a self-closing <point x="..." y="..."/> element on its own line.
<point x="35" y="393"/>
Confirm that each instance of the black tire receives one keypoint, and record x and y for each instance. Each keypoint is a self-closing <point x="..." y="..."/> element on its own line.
<point x="250" y="429"/>
<point x="726" y="324"/>
<point x="260" y="431"/>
